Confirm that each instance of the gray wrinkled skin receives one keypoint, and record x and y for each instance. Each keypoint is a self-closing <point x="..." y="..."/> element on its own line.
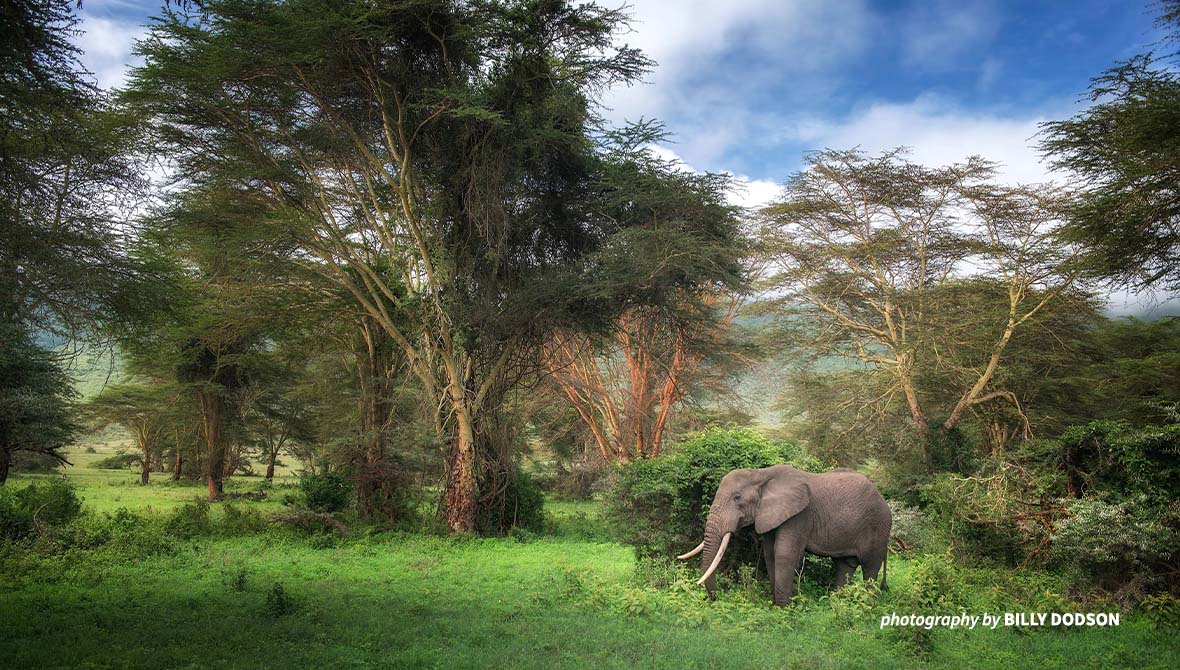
<point x="838" y="514"/>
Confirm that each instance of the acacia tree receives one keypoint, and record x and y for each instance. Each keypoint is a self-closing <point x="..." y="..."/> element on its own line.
<point x="144" y="410"/>
<point x="64" y="165"/>
<point x="36" y="400"/>
<point x="1125" y="148"/>
<point x="678" y="266"/>
<point x="433" y="159"/>
<point x="870" y="249"/>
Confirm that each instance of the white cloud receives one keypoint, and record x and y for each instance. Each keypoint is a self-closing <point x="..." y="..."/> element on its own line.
<point x="935" y="34"/>
<point x="939" y="133"/>
<point x="746" y="192"/>
<point x="106" y="47"/>
<point x="689" y="39"/>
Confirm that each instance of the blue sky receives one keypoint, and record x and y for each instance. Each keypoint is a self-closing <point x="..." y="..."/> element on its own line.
<point x="748" y="86"/>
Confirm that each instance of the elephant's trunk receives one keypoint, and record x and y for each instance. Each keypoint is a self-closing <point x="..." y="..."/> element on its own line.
<point x="717" y="535"/>
<point x="708" y="576"/>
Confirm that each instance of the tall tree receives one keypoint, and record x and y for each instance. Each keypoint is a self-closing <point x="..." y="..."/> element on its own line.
<point x="676" y="325"/>
<point x="430" y="156"/>
<point x="871" y="250"/>
<point x="1126" y="150"/>
<point x="65" y="171"/>
<point x="36" y="400"/>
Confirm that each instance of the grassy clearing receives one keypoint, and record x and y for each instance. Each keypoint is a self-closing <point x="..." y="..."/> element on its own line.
<point x="105" y="491"/>
<point x="395" y="600"/>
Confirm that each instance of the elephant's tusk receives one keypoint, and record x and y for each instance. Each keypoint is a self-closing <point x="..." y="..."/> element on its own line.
<point x="716" y="560"/>
<point x="692" y="552"/>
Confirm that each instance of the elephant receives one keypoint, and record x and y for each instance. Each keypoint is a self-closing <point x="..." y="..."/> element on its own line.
<point x="839" y="514"/>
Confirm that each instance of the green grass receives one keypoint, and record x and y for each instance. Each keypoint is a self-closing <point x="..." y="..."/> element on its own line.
<point x="401" y="600"/>
<point x="108" y="490"/>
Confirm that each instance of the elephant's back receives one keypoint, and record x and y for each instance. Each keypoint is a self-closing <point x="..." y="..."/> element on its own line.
<point x="851" y="495"/>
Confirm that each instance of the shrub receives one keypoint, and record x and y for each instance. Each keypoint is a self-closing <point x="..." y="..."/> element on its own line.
<point x="278" y="601"/>
<point x="1163" y="610"/>
<point x="315" y="523"/>
<point x="327" y="492"/>
<point x="854" y="602"/>
<point x="242" y="520"/>
<point x="38" y="506"/>
<point x="913" y="531"/>
<point x="522" y="505"/>
<point x="659" y="505"/>
<point x="120" y="461"/>
<point x="934" y="585"/>
<point x="190" y="520"/>
<point x="981" y="515"/>
<point x="1118" y="459"/>
<point x="1120" y="543"/>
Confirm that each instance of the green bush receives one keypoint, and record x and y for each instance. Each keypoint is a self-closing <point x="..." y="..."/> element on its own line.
<point x="242" y="520"/>
<point x="977" y="514"/>
<point x="913" y="530"/>
<point x="522" y="505"/>
<point x="189" y="520"/>
<point x="1163" y="610"/>
<point x="278" y="601"/>
<point x="328" y="492"/>
<point x="120" y="461"/>
<point x="659" y="505"/>
<point x="1118" y="543"/>
<point x="40" y="505"/>
<point x="934" y="585"/>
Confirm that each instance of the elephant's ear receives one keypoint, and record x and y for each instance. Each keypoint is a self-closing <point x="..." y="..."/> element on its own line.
<point x="782" y="498"/>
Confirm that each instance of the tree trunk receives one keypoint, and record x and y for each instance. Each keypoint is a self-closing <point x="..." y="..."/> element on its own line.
<point x="270" y="465"/>
<point x="5" y="464"/>
<point x="178" y="466"/>
<point x="215" y="450"/>
<point x="145" y="448"/>
<point x="461" y="489"/>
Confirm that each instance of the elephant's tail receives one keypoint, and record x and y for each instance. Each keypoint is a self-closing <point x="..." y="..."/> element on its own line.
<point x="885" y="571"/>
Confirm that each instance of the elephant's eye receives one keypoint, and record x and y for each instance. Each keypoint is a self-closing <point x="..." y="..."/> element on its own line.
<point x="737" y="496"/>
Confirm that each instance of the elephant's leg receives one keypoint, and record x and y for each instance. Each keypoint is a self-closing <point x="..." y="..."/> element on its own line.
<point x="845" y="566"/>
<point x="870" y="565"/>
<point x="768" y="558"/>
<point x="788" y="553"/>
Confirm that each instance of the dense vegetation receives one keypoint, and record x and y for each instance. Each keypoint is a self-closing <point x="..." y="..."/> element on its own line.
<point x="415" y="361"/>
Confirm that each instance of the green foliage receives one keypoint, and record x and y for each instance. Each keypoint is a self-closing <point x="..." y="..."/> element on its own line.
<point x="1132" y="542"/>
<point x="522" y="505"/>
<point x="1115" y="458"/>
<point x="242" y="520"/>
<point x="1125" y="148"/>
<point x="120" y="461"/>
<point x="278" y="601"/>
<point x="659" y="505"/>
<point x="327" y="492"/>
<point x="190" y="520"/>
<point x="975" y="516"/>
<point x="854" y="602"/>
<point x="934" y="585"/>
<point x="1163" y="610"/>
<point x="914" y="531"/>
<point x="36" y="507"/>
<point x="950" y="451"/>
<point x="36" y="399"/>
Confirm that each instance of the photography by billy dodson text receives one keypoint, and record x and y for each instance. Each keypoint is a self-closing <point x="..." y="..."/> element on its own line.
<point x="990" y="621"/>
